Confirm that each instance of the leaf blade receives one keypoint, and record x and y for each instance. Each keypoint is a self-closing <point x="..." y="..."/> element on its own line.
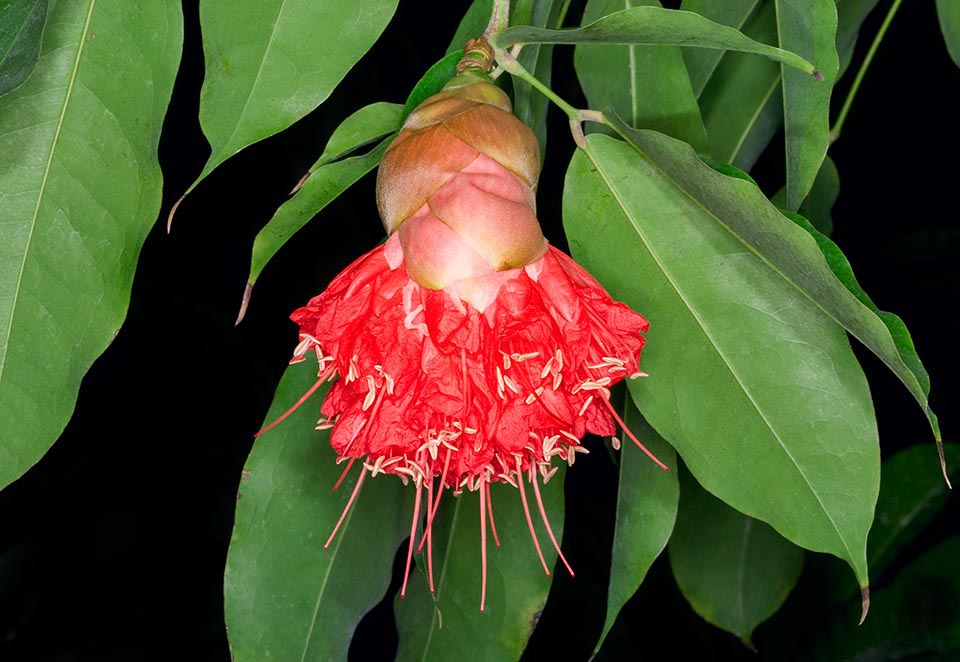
<point x="948" y="14"/>
<point x="21" y="30"/>
<point x="76" y="212"/>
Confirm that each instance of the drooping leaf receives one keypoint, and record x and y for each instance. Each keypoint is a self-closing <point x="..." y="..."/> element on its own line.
<point x="741" y="102"/>
<point x="809" y="28"/>
<point x="734" y="571"/>
<point x="646" y="510"/>
<point x="850" y="17"/>
<point x="883" y="333"/>
<point x="910" y="495"/>
<point x="516" y="585"/>
<point x="751" y="380"/>
<point x="648" y="85"/>
<point x="21" y="29"/>
<point x="653" y="26"/>
<point x="916" y="617"/>
<point x="80" y="188"/>
<point x="817" y="207"/>
<point x="948" y="13"/>
<point x="269" y="63"/>
<point x="287" y="598"/>
<point x="702" y="62"/>
<point x="330" y="176"/>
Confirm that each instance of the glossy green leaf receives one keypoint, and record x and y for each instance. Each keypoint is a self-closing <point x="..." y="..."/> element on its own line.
<point x="817" y="207"/>
<point x="741" y="103"/>
<point x="516" y="585"/>
<point x="734" y="571"/>
<point x="287" y="598"/>
<point x="79" y="188"/>
<point x="21" y="29"/>
<point x="807" y="27"/>
<point x="850" y="17"/>
<point x="916" y="617"/>
<point x="751" y="380"/>
<point x="910" y="495"/>
<point x="648" y="85"/>
<point x="271" y="62"/>
<point x="948" y="13"/>
<point x="330" y="176"/>
<point x="702" y="62"/>
<point x="646" y="510"/>
<point x="883" y="333"/>
<point x="653" y="26"/>
<point x="472" y="25"/>
<point x="528" y="104"/>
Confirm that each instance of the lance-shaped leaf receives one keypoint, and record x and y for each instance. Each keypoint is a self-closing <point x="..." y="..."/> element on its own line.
<point x="648" y="85"/>
<point x="653" y="26"/>
<point x="80" y="188"/>
<point x="948" y="13"/>
<point x="528" y="104"/>
<point x="288" y="598"/>
<point x="516" y="585"/>
<point x="269" y="63"/>
<point x="646" y="510"/>
<point x="751" y="380"/>
<point x="702" y="62"/>
<point x="330" y="176"/>
<point x="21" y="29"/>
<point x="734" y="571"/>
<point x="807" y="27"/>
<point x="850" y="17"/>
<point x="817" y="208"/>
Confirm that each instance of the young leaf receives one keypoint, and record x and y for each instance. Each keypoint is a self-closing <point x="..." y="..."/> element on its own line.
<point x="810" y="29"/>
<point x="516" y="585"/>
<point x="80" y="188"/>
<point x="287" y="598"/>
<point x="648" y="85"/>
<point x="365" y="126"/>
<point x="948" y="13"/>
<point x="653" y="26"/>
<point x="21" y="28"/>
<point x="734" y="571"/>
<point x="271" y="62"/>
<point x="646" y="511"/>
<point x="702" y="62"/>
<point x="751" y="380"/>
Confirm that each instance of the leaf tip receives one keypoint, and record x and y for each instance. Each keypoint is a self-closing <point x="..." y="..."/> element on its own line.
<point x="943" y="464"/>
<point x="864" y="603"/>
<point x="300" y="183"/>
<point x="818" y="75"/>
<point x="244" y="302"/>
<point x="173" y="210"/>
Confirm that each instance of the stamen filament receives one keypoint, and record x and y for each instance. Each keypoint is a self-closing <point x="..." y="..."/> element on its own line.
<point x="346" y="509"/>
<point x="413" y="534"/>
<point x="623" y="426"/>
<point x="344" y="474"/>
<point x="526" y="511"/>
<point x="303" y="398"/>
<point x="493" y="525"/>
<point x="483" y="548"/>
<point x="546" y="522"/>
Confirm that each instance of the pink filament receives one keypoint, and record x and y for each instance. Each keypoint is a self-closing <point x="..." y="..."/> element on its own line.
<point x="344" y="474"/>
<point x="624" y="427"/>
<point x="526" y="511"/>
<point x="353" y="495"/>
<point x="493" y="525"/>
<point x="483" y="547"/>
<point x="323" y="377"/>
<point x="413" y="533"/>
<point x="546" y="522"/>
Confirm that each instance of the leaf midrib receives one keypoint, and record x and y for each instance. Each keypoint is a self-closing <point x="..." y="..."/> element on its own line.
<point x="68" y="95"/>
<point x="710" y="338"/>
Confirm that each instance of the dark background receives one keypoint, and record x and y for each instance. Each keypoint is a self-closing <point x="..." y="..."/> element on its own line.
<point x="112" y="547"/>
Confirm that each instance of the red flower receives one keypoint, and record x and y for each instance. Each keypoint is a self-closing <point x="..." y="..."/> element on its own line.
<point x="465" y="350"/>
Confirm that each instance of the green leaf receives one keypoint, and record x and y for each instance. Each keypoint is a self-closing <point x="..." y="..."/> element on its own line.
<point x="734" y="571"/>
<point x="287" y="598"/>
<point x="80" y="188"/>
<point x="702" y="62"/>
<point x="818" y="205"/>
<point x="850" y="17"/>
<point x="751" y="381"/>
<point x="918" y="614"/>
<point x="741" y="103"/>
<point x="432" y="81"/>
<point x="648" y="85"/>
<point x="21" y="30"/>
<point x="652" y="26"/>
<point x="646" y="511"/>
<point x="881" y="332"/>
<point x="910" y="495"/>
<point x="807" y="27"/>
<point x="330" y="176"/>
<point x="516" y="585"/>
<point x="472" y="25"/>
<point x="528" y="104"/>
<point x="271" y="62"/>
<point x="948" y="13"/>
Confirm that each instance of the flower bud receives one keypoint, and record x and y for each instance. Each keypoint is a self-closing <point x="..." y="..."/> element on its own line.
<point x="458" y="186"/>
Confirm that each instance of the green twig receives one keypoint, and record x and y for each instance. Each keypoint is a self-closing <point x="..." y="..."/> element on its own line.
<point x="845" y="110"/>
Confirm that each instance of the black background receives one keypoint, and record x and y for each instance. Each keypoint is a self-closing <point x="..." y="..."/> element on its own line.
<point x="112" y="547"/>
